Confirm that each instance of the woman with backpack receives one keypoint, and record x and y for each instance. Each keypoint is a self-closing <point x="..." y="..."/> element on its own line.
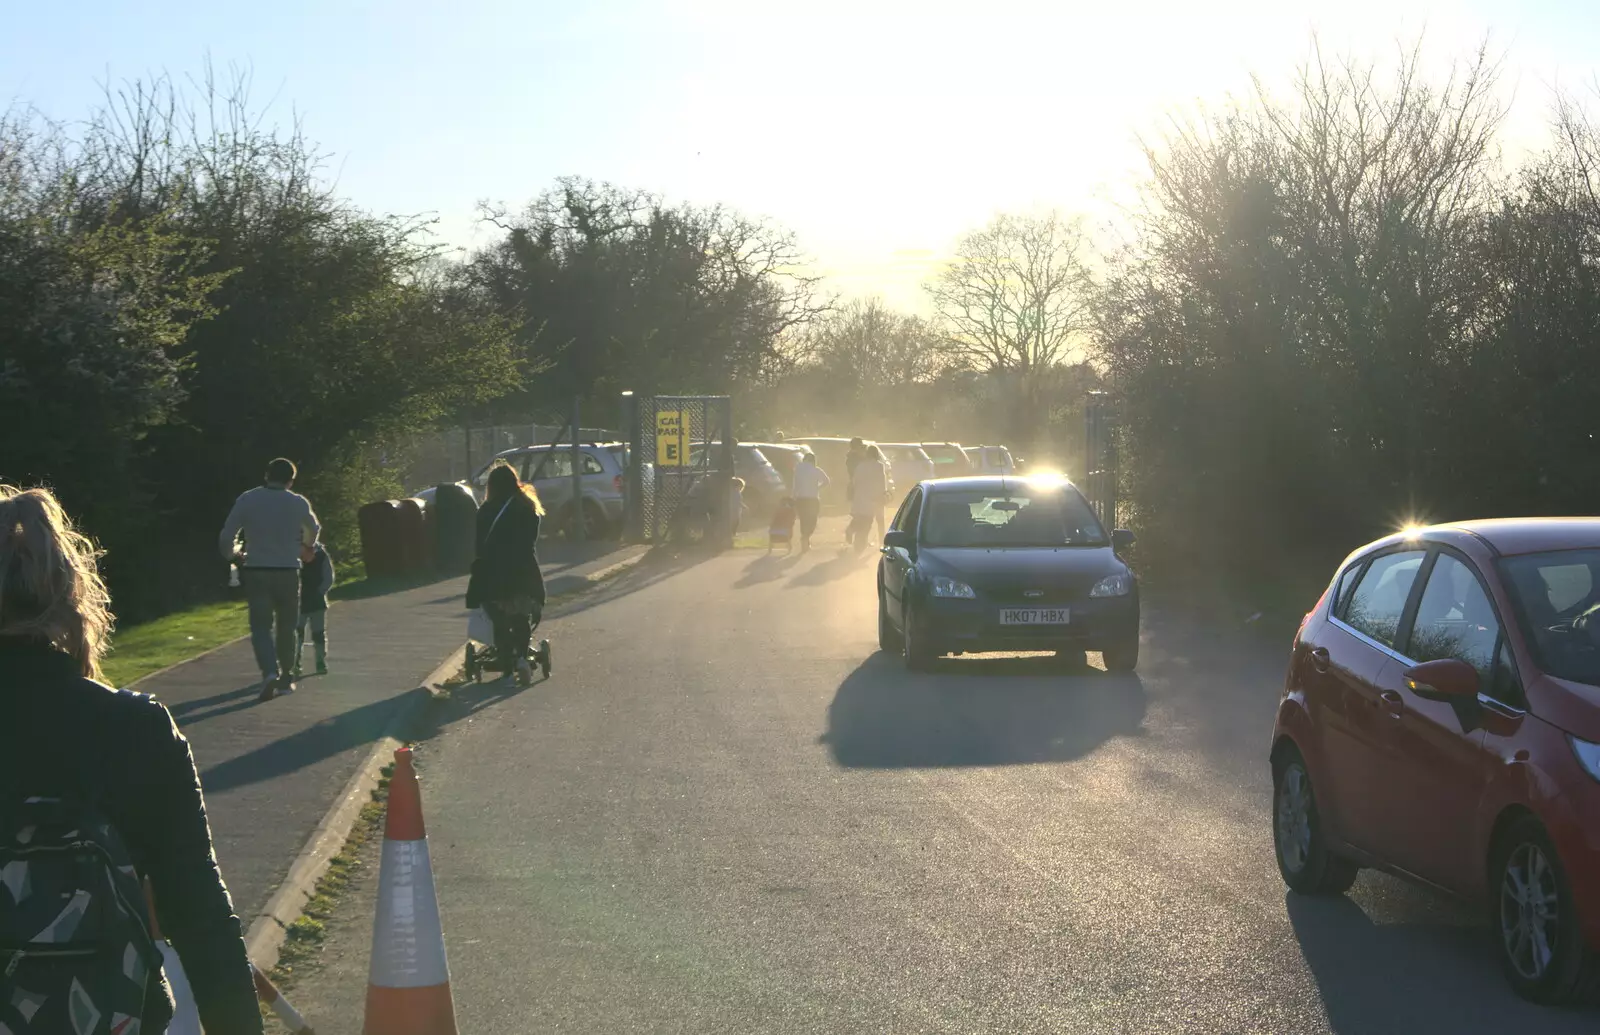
<point x="506" y="581"/>
<point x="98" y="793"/>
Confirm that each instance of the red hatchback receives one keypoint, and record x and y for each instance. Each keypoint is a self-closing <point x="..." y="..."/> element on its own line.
<point x="1441" y="720"/>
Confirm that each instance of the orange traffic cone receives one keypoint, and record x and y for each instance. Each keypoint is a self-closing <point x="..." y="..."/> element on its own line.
<point x="408" y="992"/>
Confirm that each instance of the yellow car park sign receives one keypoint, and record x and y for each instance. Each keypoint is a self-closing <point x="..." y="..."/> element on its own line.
<point x="670" y="439"/>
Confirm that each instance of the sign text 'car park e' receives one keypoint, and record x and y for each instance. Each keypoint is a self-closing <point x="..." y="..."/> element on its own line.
<point x="669" y="438"/>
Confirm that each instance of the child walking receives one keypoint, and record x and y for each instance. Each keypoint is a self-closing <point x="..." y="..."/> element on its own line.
<point x="781" y="528"/>
<point x="316" y="579"/>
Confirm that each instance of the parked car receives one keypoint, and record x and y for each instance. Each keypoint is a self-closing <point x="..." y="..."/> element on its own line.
<point x="549" y="468"/>
<point x="989" y="564"/>
<point x="763" y="485"/>
<point x="426" y="495"/>
<point x="783" y="457"/>
<point x="949" y="459"/>
<point x="990" y="459"/>
<point x="910" y="462"/>
<point x="1441" y="721"/>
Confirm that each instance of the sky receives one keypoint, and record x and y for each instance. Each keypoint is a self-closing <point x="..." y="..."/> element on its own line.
<point x="877" y="130"/>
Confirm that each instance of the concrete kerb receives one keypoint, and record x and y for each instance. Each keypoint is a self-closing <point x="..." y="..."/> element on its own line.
<point x="265" y="936"/>
<point x="267" y="932"/>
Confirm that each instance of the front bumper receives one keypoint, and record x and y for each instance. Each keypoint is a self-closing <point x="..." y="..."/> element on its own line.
<point x="973" y="626"/>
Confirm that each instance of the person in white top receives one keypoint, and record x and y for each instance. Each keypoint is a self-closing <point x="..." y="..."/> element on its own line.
<point x="868" y="489"/>
<point x="809" y="481"/>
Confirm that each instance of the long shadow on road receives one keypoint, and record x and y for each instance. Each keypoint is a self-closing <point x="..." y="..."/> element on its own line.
<point x="1431" y="973"/>
<point x="366" y="723"/>
<point x="979" y="712"/>
<point x="767" y="567"/>
<point x="358" y="726"/>
<point x="847" y="563"/>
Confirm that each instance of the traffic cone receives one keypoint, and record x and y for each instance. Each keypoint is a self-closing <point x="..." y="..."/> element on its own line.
<point x="268" y="993"/>
<point x="185" y="1014"/>
<point x="408" y="991"/>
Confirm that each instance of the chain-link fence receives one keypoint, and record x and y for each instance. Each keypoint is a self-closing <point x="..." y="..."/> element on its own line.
<point x="457" y="454"/>
<point x="680" y="463"/>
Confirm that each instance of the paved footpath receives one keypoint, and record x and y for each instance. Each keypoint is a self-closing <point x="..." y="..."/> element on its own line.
<point x="271" y="770"/>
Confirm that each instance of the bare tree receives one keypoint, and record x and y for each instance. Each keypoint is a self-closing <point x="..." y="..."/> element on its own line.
<point x="1016" y="301"/>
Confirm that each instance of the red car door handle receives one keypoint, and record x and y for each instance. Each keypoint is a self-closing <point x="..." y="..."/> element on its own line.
<point x="1393" y="702"/>
<point x="1320" y="659"/>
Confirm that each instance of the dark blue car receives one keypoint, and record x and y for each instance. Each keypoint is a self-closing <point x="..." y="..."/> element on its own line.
<point x="1005" y="564"/>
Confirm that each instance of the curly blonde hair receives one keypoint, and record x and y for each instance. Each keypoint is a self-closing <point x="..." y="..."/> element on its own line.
<point x="50" y="585"/>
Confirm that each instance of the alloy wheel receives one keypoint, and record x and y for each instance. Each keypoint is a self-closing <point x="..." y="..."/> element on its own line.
<point x="1293" y="816"/>
<point x="1529" y="911"/>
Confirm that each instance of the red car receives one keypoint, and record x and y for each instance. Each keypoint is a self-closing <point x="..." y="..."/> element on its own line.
<point x="1441" y="721"/>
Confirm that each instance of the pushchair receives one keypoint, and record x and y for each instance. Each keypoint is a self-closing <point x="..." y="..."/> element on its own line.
<point x="482" y="657"/>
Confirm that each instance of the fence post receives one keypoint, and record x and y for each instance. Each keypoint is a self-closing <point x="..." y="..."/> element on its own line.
<point x="633" y="482"/>
<point x="579" y="531"/>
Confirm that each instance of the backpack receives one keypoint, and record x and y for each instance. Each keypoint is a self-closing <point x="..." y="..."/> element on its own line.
<point x="76" y="952"/>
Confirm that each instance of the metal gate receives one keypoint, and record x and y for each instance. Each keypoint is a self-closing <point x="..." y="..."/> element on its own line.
<point x="680" y="460"/>
<point x="1100" y="457"/>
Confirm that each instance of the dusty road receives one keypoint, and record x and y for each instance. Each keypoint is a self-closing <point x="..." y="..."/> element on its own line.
<point x="728" y="813"/>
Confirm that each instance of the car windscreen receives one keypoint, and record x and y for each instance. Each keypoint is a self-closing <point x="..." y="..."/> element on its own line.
<point x="1557" y="598"/>
<point x="946" y="456"/>
<point x="1023" y="516"/>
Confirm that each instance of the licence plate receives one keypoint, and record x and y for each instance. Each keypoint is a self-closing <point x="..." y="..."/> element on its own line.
<point x="1034" y="616"/>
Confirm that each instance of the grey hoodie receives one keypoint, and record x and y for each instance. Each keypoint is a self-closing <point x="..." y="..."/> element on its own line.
<point x="274" y="523"/>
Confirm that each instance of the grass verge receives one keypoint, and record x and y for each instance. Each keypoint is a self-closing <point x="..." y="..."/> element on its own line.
<point x="152" y="646"/>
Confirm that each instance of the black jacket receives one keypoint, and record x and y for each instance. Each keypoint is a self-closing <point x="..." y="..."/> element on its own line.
<point x="62" y="733"/>
<point x="507" y="563"/>
<point x="316" y="579"/>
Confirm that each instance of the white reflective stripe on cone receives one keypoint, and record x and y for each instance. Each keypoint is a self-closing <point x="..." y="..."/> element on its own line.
<point x="407" y="939"/>
<point x="185" y="1015"/>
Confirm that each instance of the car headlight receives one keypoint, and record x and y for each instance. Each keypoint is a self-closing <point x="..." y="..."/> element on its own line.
<point x="1588" y="755"/>
<point x="1119" y="585"/>
<point x="948" y="587"/>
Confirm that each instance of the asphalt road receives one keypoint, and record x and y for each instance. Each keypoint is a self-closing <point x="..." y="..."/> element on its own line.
<point x="728" y="813"/>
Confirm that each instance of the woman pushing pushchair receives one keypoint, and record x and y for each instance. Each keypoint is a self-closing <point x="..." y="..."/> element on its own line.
<point x="506" y="581"/>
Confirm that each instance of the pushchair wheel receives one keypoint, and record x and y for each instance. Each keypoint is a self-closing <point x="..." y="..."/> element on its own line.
<point x="544" y="657"/>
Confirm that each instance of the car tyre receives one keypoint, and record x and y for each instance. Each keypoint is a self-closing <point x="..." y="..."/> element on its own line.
<point x="1538" y="936"/>
<point x="1308" y="865"/>
<point x="918" y="653"/>
<point x="595" y="525"/>
<point x="888" y="635"/>
<point x="1122" y="654"/>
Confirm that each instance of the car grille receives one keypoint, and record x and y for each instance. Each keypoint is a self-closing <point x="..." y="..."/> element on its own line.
<point x="1049" y="597"/>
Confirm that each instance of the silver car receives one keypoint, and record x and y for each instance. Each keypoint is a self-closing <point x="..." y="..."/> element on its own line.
<point x="549" y="468"/>
<point x="910" y="462"/>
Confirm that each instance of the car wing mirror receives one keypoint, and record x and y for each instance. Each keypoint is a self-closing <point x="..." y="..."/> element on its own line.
<point x="895" y="539"/>
<point x="1448" y="679"/>
<point x="1123" y="538"/>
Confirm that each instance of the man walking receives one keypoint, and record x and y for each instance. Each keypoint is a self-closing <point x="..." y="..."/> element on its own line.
<point x="809" y="481"/>
<point x="275" y="524"/>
